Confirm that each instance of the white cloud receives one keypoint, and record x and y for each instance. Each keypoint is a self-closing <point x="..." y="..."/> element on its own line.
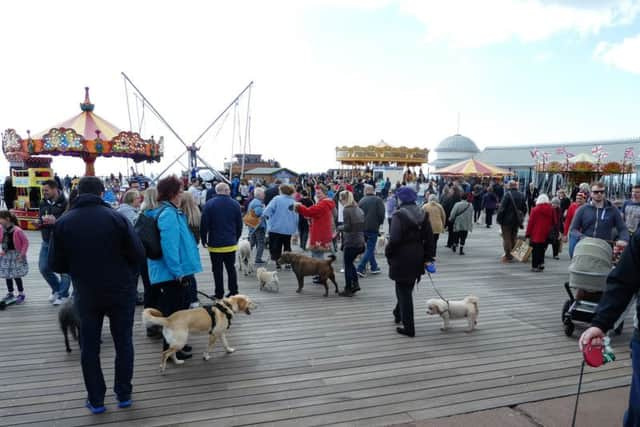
<point x="472" y="23"/>
<point x="625" y="55"/>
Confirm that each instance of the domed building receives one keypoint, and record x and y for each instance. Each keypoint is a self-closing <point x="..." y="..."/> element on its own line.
<point x="454" y="149"/>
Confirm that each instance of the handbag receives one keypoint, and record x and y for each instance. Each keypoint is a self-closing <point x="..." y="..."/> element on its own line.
<point x="521" y="251"/>
<point x="147" y="230"/>
<point x="251" y="219"/>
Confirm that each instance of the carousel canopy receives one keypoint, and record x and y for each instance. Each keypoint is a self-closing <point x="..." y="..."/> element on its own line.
<point x="583" y="157"/>
<point x="472" y="167"/>
<point x="85" y="135"/>
<point x="381" y="154"/>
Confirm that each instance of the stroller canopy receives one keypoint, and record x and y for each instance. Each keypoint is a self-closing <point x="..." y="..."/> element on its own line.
<point x="590" y="265"/>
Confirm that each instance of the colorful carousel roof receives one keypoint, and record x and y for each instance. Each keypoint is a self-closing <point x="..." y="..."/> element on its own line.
<point x="85" y="135"/>
<point x="472" y="167"/>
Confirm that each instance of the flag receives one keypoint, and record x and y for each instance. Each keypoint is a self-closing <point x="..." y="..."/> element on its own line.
<point x="603" y="155"/>
<point x="561" y="150"/>
<point x="628" y="153"/>
<point x="534" y="153"/>
<point x="546" y="156"/>
<point x="596" y="150"/>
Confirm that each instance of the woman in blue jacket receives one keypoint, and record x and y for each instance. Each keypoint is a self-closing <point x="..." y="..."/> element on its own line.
<point x="282" y="222"/>
<point x="180" y="257"/>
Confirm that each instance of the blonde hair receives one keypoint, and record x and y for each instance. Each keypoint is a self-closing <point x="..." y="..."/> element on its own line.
<point x="130" y="196"/>
<point x="346" y="198"/>
<point x="150" y="199"/>
<point x="190" y="209"/>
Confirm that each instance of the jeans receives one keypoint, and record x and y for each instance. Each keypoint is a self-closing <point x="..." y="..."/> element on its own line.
<point x="350" y="275"/>
<point x="192" y="291"/>
<point x="404" y="306"/>
<point x="488" y="216"/>
<point x="317" y="254"/>
<point x="460" y="237"/>
<point x="256" y="238"/>
<point x="228" y="259"/>
<point x="304" y="235"/>
<point x="58" y="285"/>
<point x="369" y="256"/>
<point x="436" y="236"/>
<point x="632" y="416"/>
<point x="173" y="297"/>
<point x="573" y="241"/>
<point x="121" y="310"/>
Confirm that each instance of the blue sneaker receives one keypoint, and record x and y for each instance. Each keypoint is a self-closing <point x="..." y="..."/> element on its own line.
<point x="124" y="403"/>
<point x="95" y="409"/>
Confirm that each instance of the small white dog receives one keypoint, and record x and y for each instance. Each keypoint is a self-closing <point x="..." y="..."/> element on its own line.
<point x="268" y="279"/>
<point x="467" y="308"/>
<point x="381" y="244"/>
<point x="244" y="257"/>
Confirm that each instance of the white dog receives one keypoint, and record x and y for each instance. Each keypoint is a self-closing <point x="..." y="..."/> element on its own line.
<point x="467" y="308"/>
<point x="268" y="278"/>
<point x="244" y="257"/>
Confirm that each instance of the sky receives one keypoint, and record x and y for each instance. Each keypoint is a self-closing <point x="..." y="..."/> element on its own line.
<point x="326" y="73"/>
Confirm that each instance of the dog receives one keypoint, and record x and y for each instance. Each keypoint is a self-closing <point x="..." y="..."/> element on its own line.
<point x="267" y="278"/>
<point x="69" y="322"/>
<point x="306" y="266"/>
<point x="244" y="257"/>
<point x="176" y="328"/>
<point x="467" y="308"/>
<point x="381" y="243"/>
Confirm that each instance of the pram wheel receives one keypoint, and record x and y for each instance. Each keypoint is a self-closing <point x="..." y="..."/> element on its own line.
<point x="569" y="327"/>
<point x="618" y="330"/>
<point x="565" y="308"/>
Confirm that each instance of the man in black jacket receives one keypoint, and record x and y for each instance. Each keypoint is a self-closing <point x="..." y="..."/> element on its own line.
<point x="99" y="249"/>
<point x="52" y="206"/>
<point x="510" y="217"/>
<point x="374" y="210"/>
<point x="622" y="285"/>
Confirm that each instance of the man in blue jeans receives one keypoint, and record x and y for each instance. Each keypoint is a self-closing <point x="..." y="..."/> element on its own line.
<point x="52" y="206"/>
<point x="374" y="212"/>
<point x="105" y="276"/>
<point x="622" y="285"/>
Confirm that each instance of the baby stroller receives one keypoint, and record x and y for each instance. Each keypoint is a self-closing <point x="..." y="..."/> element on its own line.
<point x="588" y="271"/>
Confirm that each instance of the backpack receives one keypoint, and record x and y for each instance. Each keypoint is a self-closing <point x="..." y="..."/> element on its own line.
<point x="147" y="229"/>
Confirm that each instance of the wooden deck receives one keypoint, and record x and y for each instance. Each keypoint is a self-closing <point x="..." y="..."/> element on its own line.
<point x="306" y="360"/>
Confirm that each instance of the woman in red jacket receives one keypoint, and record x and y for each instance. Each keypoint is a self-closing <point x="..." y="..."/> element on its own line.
<point x="321" y="222"/>
<point x="581" y="199"/>
<point x="541" y="220"/>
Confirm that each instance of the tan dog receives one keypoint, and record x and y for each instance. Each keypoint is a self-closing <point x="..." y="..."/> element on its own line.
<point x="306" y="266"/>
<point x="467" y="308"/>
<point x="268" y="278"/>
<point x="176" y="327"/>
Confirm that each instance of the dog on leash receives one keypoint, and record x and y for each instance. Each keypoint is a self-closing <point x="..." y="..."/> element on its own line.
<point x="214" y="319"/>
<point x="244" y="257"/>
<point x="467" y="308"/>
<point x="267" y="279"/>
<point x="303" y="265"/>
<point x="69" y="322"/>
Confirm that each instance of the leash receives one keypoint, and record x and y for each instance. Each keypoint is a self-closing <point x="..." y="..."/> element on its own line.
<point x="438" y="292"/>
<point x="208" y="296"/>
<point x="575" y="408"/>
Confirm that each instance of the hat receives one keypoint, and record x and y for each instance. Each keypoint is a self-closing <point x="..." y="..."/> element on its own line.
<point x="406" y="195"/>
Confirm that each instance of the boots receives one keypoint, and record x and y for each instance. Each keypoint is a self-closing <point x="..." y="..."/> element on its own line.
<point x="461" y="250"/>
<point x="454" y="247"/>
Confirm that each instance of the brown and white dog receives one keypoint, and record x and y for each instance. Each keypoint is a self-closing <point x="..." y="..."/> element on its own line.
<point x="303" y="265"/>
<point x="467" y="308"/>
<point x="176" y="327"/>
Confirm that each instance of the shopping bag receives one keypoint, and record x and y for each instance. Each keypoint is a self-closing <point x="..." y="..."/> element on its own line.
<point x="521" y="251"/>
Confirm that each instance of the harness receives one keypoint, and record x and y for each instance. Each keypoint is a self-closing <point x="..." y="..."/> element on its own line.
<point x="224" y="307"/>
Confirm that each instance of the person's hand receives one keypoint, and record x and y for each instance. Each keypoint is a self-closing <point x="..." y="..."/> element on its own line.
<point x="593" y="335"/>
<point x="622" y="244"/>
<point x="564" y="239"/>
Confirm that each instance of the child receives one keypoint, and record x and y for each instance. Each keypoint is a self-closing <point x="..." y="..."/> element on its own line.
<point x="13" y="256"/>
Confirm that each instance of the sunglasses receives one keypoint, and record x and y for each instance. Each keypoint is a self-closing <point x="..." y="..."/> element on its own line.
<point x="597" y="191"/>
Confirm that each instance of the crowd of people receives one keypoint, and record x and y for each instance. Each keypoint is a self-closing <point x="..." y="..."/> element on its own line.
<point x="322" y="215"/>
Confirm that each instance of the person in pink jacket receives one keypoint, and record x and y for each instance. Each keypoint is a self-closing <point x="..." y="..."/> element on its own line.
<point x="13" y="256"/>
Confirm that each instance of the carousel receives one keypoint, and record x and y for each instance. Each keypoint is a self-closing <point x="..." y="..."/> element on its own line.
<point x="472" y="168"/>
<point x="86" y="135"/>
<point x="380" y="157"/>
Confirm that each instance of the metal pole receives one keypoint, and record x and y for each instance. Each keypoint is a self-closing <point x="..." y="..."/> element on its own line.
<point x="168" y="167"/>
<point x="223" y="111"/>
<point x="155" y="111"/>
<point x="215" y="171"/>
<point x="246" y="133"/>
